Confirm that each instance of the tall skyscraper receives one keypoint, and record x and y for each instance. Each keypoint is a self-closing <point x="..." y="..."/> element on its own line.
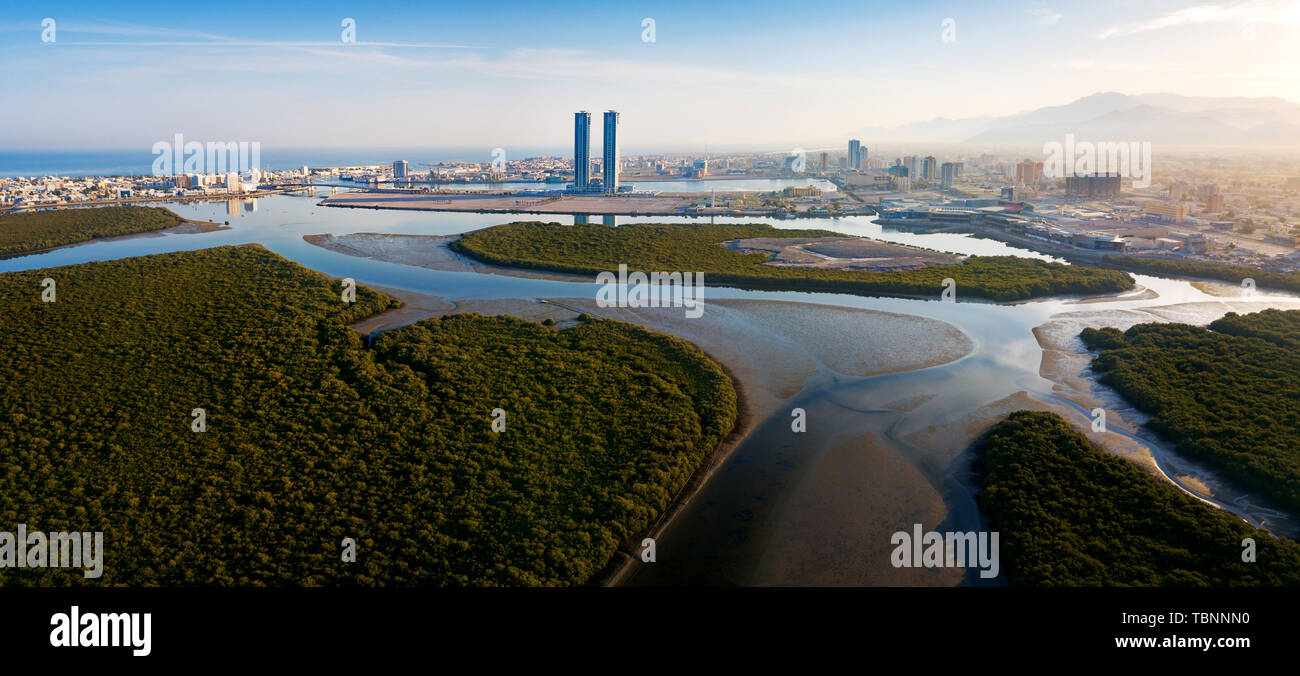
<point x="929" y="168"/>
<point x="610" y="163"/>
<point x="399" y="169"/>
<point x="581" y="151"/>
<point x="855" y="155"/>
<point x="948" y="174"/>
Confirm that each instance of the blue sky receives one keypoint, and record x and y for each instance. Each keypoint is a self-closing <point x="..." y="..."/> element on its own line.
<point x="719" y="74"/>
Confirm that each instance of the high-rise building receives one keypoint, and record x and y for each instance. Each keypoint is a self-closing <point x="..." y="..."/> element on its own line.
<point x="610" y="164"/>
<point x="581" y="151"/>
<point x="399" y="169"/>
<point x="929" y="168"/>
<point x="947" y="174"/>
<point x="854" y="160"/>
<point x="913" y="164"/>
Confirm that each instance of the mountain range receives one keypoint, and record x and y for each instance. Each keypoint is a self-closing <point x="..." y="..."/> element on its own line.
<point x="1159" y="118"/>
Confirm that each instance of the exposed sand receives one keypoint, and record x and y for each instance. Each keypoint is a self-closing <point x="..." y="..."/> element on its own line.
<point x="1138" y="292"/>
<point x="949" y="440"/>
<point x="415" y="306"/>
<point x="1221" y="289"/>
<point x="423" y="251"/>
<point x="774" y="347"/>
<point x="839" y="253"/>
<point x="196" y="227"/>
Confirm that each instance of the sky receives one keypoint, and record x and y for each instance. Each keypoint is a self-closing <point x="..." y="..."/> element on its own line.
<point x="717" y="74"/>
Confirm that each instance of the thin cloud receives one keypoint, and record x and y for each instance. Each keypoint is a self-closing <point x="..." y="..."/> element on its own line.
<point x="1046" y="16"/>
<point x="1261" y="11"/>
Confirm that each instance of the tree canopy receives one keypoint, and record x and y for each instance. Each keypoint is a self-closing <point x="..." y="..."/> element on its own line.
<point x="1070" y="514"/>
<point x="312" y="437"/>
<point x="31" y="231"/>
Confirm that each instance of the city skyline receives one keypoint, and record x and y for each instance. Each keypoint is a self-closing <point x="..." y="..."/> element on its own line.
<point x="863" y="66"/>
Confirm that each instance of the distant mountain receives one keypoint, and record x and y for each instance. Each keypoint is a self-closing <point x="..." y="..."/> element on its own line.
<point x="1110" y="116"/>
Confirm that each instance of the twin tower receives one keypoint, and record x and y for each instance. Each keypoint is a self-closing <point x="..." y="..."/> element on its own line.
<point x="582" y="153"/>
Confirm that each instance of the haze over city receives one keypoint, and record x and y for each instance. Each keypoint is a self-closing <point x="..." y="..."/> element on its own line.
<point x="727" y="75"/>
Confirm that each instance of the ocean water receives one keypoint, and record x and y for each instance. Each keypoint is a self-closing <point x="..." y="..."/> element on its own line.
<point x="139" y="161"/>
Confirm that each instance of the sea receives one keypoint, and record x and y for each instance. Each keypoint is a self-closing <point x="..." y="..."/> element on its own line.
<point x="139" y="161"/>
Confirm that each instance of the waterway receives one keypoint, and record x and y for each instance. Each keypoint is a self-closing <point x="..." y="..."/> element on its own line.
<point x="880" y="453"/>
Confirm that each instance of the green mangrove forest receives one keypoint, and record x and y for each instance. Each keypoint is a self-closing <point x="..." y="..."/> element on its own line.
<point x="591" y="249"/>
<point x="462" y="450"/>
<point x="1227" y="394"/>
<point x="1070" y="514"/>
<point x="31" y="231"/>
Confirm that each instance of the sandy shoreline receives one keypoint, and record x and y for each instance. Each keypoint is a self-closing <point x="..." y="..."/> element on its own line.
<point x="1066" y="362"/>
<point x="424" y="251"/>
